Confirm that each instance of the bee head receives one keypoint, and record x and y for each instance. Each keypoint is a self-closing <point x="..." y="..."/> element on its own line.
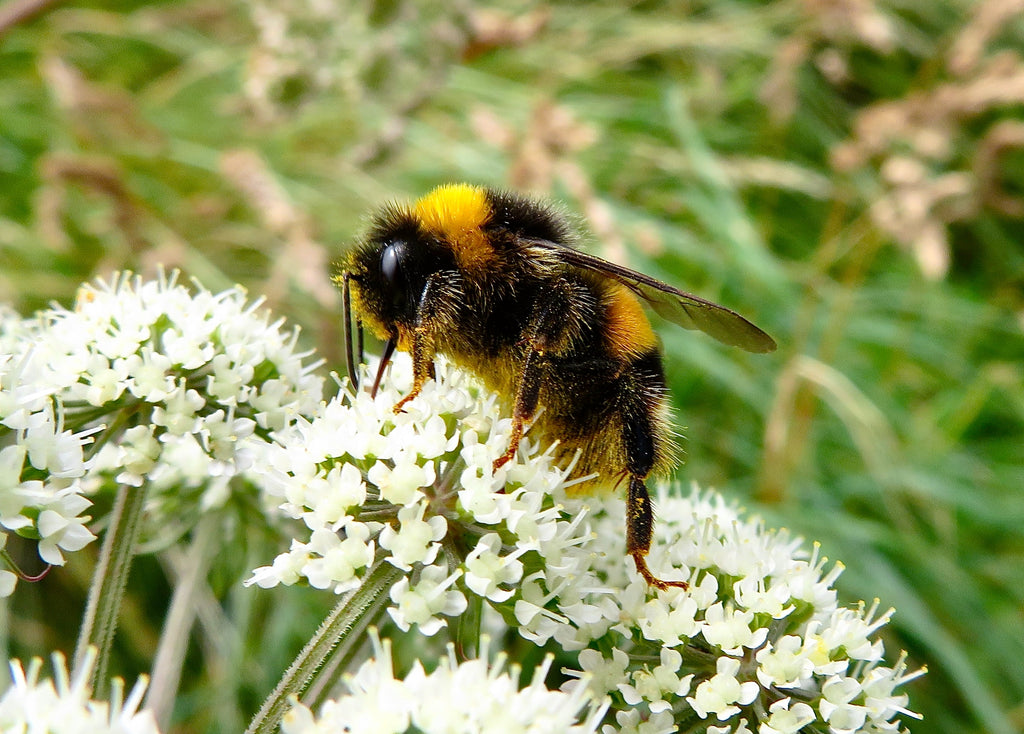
<point x="388" y="271"/>
<point x="381" y="289"/>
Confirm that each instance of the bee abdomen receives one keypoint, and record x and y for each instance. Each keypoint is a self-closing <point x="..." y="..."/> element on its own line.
<point x="615" y="412"/>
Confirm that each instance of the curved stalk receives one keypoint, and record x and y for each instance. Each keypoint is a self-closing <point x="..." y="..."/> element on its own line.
<point x="339" y="632"/>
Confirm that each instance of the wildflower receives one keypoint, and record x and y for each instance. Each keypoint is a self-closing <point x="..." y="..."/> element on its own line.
<point x="735" y="632"/>
<point x="416" y="540"/>
<point x="719" y="694"/>
<point x="64" y="705"/>
<point x="428" y="602"/>
<point x="178" y="387"/>
<point x="659" y="684"/>
<point x="837" y="705"/>
<point x="631" y="721"/>
<point x="472" y="696"/>
<point x="784" y="663"/>
<point x="554" y="563"/>
<point x="487" y="570"/>
<point x="730" y="629"/>
<point x="785" y="717"/>
<point x="334" y="561"/>
<point x="40" y="473"/>
<point x="403" y="477"/>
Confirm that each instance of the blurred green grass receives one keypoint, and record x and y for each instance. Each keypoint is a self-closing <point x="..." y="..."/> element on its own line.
<point x="848" y="175"/>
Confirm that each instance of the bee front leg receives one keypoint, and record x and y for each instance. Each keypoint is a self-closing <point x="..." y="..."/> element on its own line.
<point x="424" y="327"/>
<point x="422" y="365"/>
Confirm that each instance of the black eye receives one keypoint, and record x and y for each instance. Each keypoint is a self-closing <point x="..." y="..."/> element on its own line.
<point x="391" y="268"/>
<point x="391" y="261"/>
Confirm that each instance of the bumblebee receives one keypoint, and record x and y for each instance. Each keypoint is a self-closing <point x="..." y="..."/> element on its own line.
<point x="496" y="282"/>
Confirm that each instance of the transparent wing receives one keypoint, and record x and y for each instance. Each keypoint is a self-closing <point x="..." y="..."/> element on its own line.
<point x="679" y="307"/>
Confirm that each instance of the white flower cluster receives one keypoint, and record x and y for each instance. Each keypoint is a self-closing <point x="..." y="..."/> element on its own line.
<point x="758" y="642"/>
<point x="367" y="481"/>
<point x="42" y="463"/>
<point x="65" y="707"/>
<point x="176" y="388"/>
<point x="471" y="697"/>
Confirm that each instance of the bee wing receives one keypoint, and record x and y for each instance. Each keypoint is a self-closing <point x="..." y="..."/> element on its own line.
<point x="679" y="307"/>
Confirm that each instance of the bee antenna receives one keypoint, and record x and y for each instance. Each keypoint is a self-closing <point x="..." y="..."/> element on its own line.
<point x="346" y="301"/>
<point x="359" y="331"/>
<point x="385" y="358"/>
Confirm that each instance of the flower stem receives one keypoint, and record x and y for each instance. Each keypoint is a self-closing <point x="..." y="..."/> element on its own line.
<point x="191" y="573"/>
<point x="337" y="635"/>
<point x="108" y="584"/>
<point x="467" y="625"/>
<point x="9" y="561"/>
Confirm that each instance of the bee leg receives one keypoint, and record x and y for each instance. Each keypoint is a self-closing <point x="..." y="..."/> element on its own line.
<point x="547" y="333"/>
<point x="422" y="341"/>
<point x="640" y="532"/>
<point x="639" y="440"/>
<point x="422" y="366"/>
<point x="525" y="405"/>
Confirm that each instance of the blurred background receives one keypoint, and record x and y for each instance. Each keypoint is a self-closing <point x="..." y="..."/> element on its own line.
<point x="848" y="174"/>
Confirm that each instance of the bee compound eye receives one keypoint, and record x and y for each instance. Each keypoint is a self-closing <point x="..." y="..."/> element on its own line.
<point x="391" y="261"/>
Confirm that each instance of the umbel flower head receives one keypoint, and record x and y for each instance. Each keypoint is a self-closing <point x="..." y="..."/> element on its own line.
<point x="64" y="705"/>
<point x="472" y="697"/>
<point x="758" y="642"/>
<point x="417" y="489"/>
<point x="142" y="382"/>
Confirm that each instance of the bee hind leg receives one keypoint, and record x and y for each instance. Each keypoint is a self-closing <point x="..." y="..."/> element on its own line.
<point x="640" y="532"/>
<point x="640" y="442"/>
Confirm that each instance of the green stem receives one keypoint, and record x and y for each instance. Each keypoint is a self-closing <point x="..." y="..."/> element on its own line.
<point x="190" y="571"/>
<point x="468" y="624"/>
<point x="108" y="583"/>
<point x="8" y="560"/>
<point x="339" y="633"/>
